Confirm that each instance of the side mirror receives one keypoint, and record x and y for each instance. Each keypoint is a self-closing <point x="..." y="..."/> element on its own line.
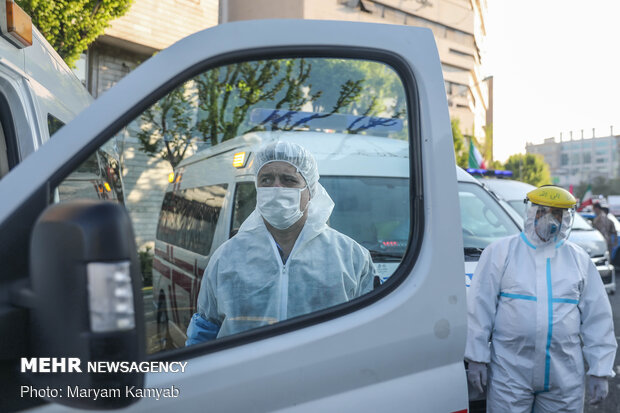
<point x="86" y="302"/>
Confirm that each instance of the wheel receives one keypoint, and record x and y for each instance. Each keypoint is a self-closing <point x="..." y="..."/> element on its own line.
<point x="163" y="334"/>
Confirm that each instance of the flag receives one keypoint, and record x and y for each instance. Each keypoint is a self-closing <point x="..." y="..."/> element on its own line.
<point x="586" y="199"/>
<point x="475" y="159"/>
<point x="570" y="188"/>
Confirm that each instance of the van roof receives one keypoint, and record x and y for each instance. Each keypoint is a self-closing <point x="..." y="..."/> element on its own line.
<point x="508" y="189"/>
<point x="331" y="151"/>
<point x="45" y="66"/>
<point x="334" y="152"/>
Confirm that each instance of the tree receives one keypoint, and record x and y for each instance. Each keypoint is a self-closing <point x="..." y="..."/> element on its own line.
<point x="529" y="168"/>
<point x="461" y="148"/>
<point x="233" y="100"/>
<point x="71" y="25"/>
<point x="487" y="151"/>
<point x="600" y="186"/>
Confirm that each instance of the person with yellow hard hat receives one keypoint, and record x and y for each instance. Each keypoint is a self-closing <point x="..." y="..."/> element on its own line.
<point x="537" y="308"/>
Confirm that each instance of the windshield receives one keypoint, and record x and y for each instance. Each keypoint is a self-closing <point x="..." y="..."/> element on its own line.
<point x="482" y="218"/>
<point x="580" y="224"/>
<point x="519" y="206"/>
<point x="374" y="211"/>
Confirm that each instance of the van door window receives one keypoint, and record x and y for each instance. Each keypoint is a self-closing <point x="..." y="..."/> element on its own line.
<point x="374" y="211"/>
<point x="185" y="169"/>
<point x="4" y="155"/>
<point x="244" y="204"/>
<point x="53" y="124"/>
<point x="188" y="218"/>
<point x="99" y="177"/>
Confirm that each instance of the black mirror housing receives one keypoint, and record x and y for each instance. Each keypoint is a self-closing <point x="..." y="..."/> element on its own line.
<point x="86" y="299"/>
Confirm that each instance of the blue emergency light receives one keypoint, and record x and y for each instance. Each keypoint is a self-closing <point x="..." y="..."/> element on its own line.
<point x="489" y="172"/>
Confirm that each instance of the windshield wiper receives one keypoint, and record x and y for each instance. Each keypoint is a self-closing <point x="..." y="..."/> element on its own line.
<point x="473" y="251"/>
<point x="386" y="256"/>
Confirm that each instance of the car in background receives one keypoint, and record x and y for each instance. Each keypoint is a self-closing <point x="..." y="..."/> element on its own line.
<point x="484" y="219"/>
<point x="583" y="234"/>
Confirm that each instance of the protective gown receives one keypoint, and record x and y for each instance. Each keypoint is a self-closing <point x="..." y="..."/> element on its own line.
<point x="533" y="301"/>
<point x="246" y="285"/>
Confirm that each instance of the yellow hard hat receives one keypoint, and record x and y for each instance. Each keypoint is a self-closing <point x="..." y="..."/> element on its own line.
<point x="552" y="196"/>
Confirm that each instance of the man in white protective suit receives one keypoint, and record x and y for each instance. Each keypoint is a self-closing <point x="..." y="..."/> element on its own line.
<point x="534" y="298"/>
<point x="284" y="261"/>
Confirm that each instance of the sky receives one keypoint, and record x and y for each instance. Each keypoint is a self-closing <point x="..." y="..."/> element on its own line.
<point x="556" y="69"/>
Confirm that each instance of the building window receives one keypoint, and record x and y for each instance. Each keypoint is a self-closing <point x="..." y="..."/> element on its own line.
<point x="564" y="160"/>
<point x="587" y="157"/>
<point x="452" y="69"/>
<point x="574" y="159"/>
<point x="462" y="54"/>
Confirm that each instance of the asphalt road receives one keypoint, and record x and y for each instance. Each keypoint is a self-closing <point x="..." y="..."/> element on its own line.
<point x="612" y="403"/>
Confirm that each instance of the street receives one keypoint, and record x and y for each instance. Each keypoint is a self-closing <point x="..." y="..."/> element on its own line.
<point x="610" y="405"/>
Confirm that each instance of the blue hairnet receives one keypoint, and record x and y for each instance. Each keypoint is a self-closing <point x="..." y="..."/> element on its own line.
<point x="293" y="154"/>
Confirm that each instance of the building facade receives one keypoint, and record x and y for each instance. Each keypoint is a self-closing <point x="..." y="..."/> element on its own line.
<point x="574" y="161"/>
<point x="458" y="27"/>
<point x="148" y="27"/>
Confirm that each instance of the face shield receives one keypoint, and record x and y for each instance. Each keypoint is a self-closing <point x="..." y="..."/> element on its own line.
<point x="544" y="224"/>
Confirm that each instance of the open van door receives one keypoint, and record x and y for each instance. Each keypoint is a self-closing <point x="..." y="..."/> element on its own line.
<point x="75" y="274"/>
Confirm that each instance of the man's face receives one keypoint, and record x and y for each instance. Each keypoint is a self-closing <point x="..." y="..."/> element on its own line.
<point x="283" y="174"/>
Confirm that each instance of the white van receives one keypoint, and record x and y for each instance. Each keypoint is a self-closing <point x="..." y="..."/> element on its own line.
<point x="38" y="91"/>
<point x="213" y="192"/>
<point x="72" y="278"/>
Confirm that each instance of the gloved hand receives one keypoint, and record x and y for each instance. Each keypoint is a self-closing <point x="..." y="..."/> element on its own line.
<point x="597" y="389"/>
<point x="477" y="375"/>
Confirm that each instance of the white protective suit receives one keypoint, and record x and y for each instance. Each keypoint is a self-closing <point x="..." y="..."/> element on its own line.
<point x="246" y="285"/>
<point x="533" y="301"/>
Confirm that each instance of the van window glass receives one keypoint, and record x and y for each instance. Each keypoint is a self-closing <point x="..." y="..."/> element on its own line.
<point x="99" y="177"/>
<point x="189" y="217"/>
<point x="185" y="170"/>
<point x="244" y="204"/>
<point x="374" y="211"/>
<point x="53" y="124"/>
<point x="4" y="155"/>
<point x="482" y="219"/>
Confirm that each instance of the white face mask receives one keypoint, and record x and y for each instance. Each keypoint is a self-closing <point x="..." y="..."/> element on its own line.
<point x="279" y="206"/>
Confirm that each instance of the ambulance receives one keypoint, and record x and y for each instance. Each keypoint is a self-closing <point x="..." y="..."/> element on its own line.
<point x="38" y="91"/>
<point x="213" y="192"/>
<point x="72" y="279"/>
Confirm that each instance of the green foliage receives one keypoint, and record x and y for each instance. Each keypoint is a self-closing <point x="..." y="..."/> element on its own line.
<point x="530" y="168"/>
<point x="487" y="151"/>
<point x="497" y="165"/>
<point x="216" y="106"/>
<point x="461" y="147"/>
<point x="600" y="186"/>
<point x="71" y="25"/>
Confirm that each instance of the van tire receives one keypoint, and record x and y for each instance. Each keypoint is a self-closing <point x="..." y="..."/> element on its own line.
<point x="164" y="341"/>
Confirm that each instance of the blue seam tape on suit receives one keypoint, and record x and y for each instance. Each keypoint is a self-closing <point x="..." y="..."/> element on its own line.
<point x="550" y="327"/>
<point x="527" y="241"/>
<point x="518" y="296"/>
